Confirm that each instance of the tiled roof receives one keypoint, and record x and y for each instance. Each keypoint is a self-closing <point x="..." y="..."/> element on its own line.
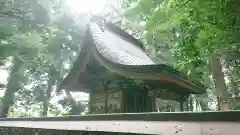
<point x="117" y="49"/>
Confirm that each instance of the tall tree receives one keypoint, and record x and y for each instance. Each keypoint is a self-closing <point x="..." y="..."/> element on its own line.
<point x="36" y="46"/>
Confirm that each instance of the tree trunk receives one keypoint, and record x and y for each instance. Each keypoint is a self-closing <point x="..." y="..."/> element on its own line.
<point x="220" y="85"/>
<point x="234" y="101"/>
<point x="12" y="87"/>
<point x="50" y="84"/>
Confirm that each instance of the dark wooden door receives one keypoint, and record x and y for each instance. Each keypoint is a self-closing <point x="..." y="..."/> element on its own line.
<point x="136" y="101"/>
<point x="140" y="102"/>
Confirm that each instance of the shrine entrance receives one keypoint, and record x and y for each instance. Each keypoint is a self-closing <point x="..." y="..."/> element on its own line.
<point x="137" y="102"/>
<point x="140" y="102"/>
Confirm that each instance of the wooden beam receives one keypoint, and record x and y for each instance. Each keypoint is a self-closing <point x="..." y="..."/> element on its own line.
<point x="218" y="116"/>
<point x="214" y="123"/>
<point x="127" y="27"/>
<point x="140" y="38"/>
<point x="107" y="14"/>
<point x="138" y="127"/>
<point x="117" y="21"/>
<point x="134" y="33"/>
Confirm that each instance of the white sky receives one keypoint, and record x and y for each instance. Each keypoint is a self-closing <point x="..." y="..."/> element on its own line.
<point x="4" y="76"/>
<point x="80" y="6"/>
<point x="3" y="80"/>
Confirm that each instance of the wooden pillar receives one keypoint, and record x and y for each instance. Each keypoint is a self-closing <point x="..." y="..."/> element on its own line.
<point x="125" y="100"/>
<point x="105" y="101"/>
<point x="181" y="106"/>
<point x="121" y="102"/>
<point x="182" y="101"/>
<point x="152" y="97"/>
<point x="90" y="103"/>
<point x="10" y="131"/>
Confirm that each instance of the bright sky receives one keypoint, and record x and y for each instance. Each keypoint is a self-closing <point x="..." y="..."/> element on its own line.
<point x="80" y="6"/>
<point x="3" y="80"/>
<point x="4" y="76"/>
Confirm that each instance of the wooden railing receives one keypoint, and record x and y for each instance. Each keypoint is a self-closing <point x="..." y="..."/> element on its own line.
<point x="205" y="123"/>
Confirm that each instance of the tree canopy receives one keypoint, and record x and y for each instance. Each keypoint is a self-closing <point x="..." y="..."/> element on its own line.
<point x="197" y="37"/>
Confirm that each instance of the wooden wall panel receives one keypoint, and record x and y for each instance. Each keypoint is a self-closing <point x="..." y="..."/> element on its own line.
<point x="98" y="102"/>
<point x="114" y="101"/>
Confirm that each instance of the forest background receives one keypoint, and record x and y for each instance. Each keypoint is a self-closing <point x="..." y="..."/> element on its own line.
<point x="40" y="39"/>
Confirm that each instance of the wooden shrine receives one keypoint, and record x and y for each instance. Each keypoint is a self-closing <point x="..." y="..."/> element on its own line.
<point x="120" y="77"/>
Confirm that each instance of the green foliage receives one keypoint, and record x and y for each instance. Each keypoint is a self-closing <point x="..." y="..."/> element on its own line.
<point x="191" y="32"/>
<point x="43" y="38"/>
